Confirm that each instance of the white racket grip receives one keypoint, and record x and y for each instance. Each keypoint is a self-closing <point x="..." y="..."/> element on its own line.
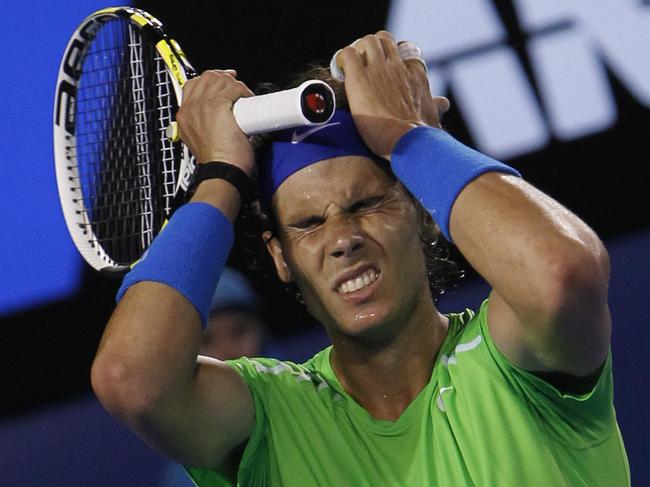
<point x="279" y="110"/>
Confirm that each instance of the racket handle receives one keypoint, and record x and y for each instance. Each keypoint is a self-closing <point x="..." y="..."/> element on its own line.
<point x="311" y="103"/>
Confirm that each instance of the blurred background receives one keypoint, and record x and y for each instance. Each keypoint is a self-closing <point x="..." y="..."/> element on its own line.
<point x="559" y="89"/>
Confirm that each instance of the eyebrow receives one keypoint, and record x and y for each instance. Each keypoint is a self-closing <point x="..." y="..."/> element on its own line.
<point x="304" y="221"/>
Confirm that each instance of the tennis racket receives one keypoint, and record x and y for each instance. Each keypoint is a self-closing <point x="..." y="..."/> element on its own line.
<point x="120" y="168"/>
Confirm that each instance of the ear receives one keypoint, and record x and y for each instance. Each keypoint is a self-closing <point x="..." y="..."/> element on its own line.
<point x="275" y="249"/>
<point x="427" y="228"/>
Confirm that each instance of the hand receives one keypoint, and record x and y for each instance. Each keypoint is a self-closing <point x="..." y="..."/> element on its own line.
<point x="206" y="122"/>
<point x="430" y="108"/>
<point x="387" y="96"/>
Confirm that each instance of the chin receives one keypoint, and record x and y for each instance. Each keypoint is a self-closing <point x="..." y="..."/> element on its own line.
<point x="369" y="325"/>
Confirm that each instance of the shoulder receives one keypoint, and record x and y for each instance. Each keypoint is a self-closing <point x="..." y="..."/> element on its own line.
<point x="473" y="354"/>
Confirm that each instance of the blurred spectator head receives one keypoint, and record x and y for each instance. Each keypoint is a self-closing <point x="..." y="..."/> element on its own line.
<point x="235" y="328"/>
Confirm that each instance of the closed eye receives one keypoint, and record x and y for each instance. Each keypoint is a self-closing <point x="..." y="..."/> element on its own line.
<point x="308" y="222"/>
<point x="365" y="203"/>
<point x="315" y="220"/>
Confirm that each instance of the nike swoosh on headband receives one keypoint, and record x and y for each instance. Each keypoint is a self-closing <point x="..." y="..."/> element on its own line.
<point x="296" y="137"/>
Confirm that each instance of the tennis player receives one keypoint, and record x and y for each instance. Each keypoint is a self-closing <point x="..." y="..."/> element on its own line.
<point x="517" y="393"/>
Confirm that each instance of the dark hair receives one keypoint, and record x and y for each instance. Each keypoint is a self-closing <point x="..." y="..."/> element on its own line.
<point x="253" y="221"/>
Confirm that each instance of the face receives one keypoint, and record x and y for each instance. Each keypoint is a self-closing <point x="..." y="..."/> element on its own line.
<point x="232" y="333"/>
<point x="348" y="237"/>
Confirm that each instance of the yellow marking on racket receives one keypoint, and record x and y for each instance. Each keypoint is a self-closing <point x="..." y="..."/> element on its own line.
<point x="171" y="61"/>
<point x="108" y="10"/>
<point x="180" y="52"/>
<point x="171" y="132"/>
<point x="152" y="20"/>
<point x="139" y="19"/>
<point x="179" y="73"/>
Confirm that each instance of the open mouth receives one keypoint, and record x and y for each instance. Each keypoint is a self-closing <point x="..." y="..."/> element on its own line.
<point x="359" y="283"/>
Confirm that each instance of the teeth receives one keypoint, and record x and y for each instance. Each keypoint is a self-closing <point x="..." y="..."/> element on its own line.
<point x="363" y="280"/>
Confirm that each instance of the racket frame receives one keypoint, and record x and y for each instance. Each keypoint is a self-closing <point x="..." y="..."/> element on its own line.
<point x="278" y="110"/>
<point x="69" y="75"/>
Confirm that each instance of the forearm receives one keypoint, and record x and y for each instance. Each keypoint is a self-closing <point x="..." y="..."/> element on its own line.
<point x="152" y="340"/>
<point x="147" y="375"/>
<point x="527" y="246"/>
<point x="148" y="351"/>
<point x="220" y="194"/>
<point x="146" y="371"/>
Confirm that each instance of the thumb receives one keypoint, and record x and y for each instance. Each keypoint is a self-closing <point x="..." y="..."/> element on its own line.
<point x="349" y="60"/>
<point x="442" y="105"/>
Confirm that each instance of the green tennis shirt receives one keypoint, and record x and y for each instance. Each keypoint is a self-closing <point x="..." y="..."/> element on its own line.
<point x="480" y="421"/>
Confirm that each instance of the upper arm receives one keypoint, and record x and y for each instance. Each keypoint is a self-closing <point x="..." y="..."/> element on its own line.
<point x="575" y="341"/>
<point x="549" y="271"/>
<point x="146" y="374"/>
<point x="216" y="416"/>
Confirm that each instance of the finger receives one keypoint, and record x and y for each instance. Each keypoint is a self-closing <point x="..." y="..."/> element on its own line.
<point x="370" y="48"/>
<point x="349" y="60"/>
<point x="235" y="89"/>
<point x="388" y="44"/>
<point x="189" y="86"/>
<point x="221" y="77"/>
<point x="411" y="54"/>
<point x="442" y="104"/>
<point x="230" y="72"/>
<point x="200" y="83"/>
<point x="216" y="84"/>
<point x="416" y="66"/>
<point x="360" y="51"/>
<point x="245" y="91"/>
<point x="385" y="35"/>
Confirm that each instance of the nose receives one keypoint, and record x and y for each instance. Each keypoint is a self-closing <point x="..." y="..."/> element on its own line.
<point x="346" y="239"/>
<point x="344" y="233"/>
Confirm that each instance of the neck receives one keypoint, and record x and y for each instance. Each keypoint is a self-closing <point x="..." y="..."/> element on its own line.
<point x="385" y="377"/>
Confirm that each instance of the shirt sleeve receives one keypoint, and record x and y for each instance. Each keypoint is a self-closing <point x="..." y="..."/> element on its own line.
<point x="278" y="389"/>
<point x="258" y="374"/>
<point x="576" y="420"/>
<point x="252" y="371"/>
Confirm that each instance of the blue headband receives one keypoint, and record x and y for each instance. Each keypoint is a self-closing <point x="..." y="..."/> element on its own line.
<point x="295" y="149"/>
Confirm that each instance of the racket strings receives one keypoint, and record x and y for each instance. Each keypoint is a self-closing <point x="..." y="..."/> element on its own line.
<point x="127" y="168"/>
<point x="141" y="137"/>
<point x="103" y="121"/>
<point x="168" y="150"/>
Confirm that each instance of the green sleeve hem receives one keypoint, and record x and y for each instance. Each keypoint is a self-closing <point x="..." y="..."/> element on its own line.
<point x="578" y="421"/>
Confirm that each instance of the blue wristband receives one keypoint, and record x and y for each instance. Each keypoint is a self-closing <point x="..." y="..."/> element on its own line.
<point x="435" y="167"/>
<point x="188" y="255"/>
